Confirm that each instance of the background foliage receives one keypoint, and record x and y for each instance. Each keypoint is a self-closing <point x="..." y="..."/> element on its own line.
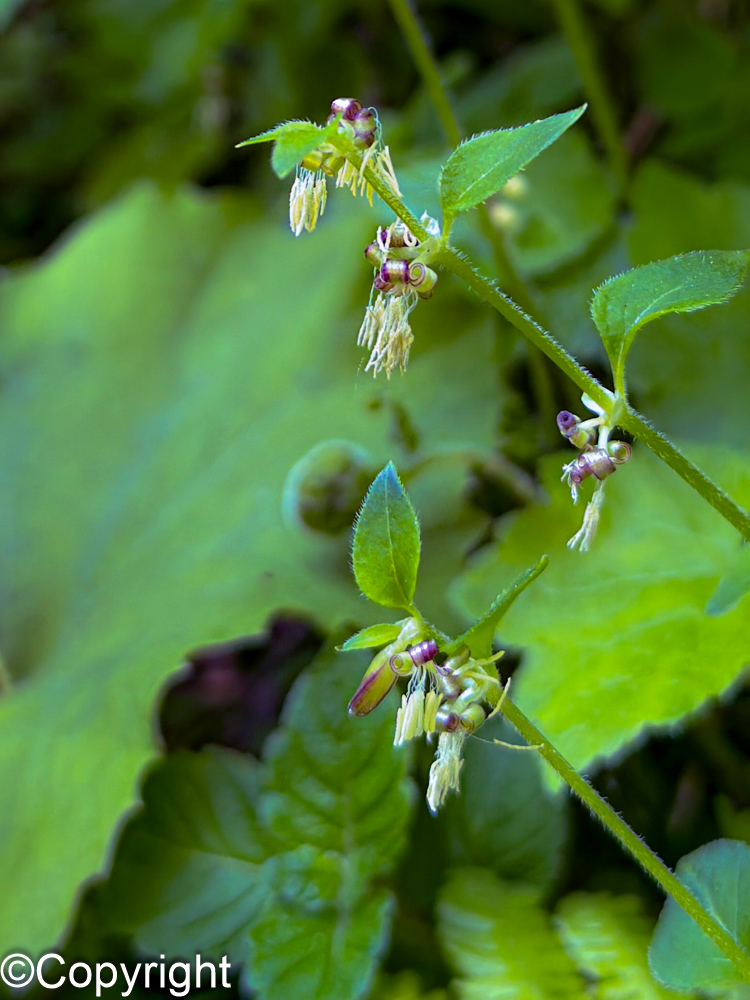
<point x="187" y="435"/>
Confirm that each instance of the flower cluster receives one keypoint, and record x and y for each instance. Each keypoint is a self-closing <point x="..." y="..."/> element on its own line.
<point x="359" y="129"/>
<point x="443" y="698"/>
<point x="400" y="281"/>
<point x="599" y="457"/>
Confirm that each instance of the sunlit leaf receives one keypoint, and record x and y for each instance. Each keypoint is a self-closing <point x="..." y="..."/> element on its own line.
<point x="385" y="550"/>
<point x="501" y="942"/>
<point x="480" y="166"/>
<point x="607" y="938"/>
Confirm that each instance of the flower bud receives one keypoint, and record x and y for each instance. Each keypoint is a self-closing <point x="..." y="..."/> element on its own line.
<point x="619" y="452"/>
<point x="569" y="426"/>
<point x="446" y="721"/>
<point x="472" y="718"/>
<point x="422" y="278"/>
<point x="375" y="685"/>
<point x="347" y="107"/>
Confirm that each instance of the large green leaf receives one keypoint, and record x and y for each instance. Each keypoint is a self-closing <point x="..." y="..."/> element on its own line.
<point x="188" y="875"/>
<point x="385" y="549"/>
<point x="159" y="383"/>
<point x="480" y="166"/>
<point x="273" y="864"/>
<point x="619" y="641"/>
<point x="607" y="938"/>
<point x="622" y="305"/>
<point x="681" y="956"/>
<point x="501" y="942"/>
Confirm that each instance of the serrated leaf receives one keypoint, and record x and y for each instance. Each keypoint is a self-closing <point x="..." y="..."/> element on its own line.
<point x="480" y="635"/>
<point x="385" y="549"/>
<point x="607" y="938"/>
<point x="333" y="781"/>
<point x="681" y="956"/>
<point x="691" y="281"/>
<point x="273" y="864"/>
<point x="480" y="166"/>
<point x="188" y="874"/>
<point x="337" y="786"/>
<point x="505" y="818"/>
<point x="501" y="942"/>
<point x="373" y="635"/>
<point x="627" y="618"/>
<point x="293" y="143"/>
<point x="317" y="940"/>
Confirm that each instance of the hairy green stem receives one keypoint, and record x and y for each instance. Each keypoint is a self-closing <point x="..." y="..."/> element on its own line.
<point x="573" y="23"/>
<point x="419" y="47"/>
<point x="629" y="419"/>
<point x="630" y="840"/>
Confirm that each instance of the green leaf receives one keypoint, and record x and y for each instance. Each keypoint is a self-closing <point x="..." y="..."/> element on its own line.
<point x="273" y="864"/>
<point x="627" y="618"/>
<point x="385" y="549"/>
<point x="373" y="635"/>
<point x="292" y="142"/>
<point x="188" y="874"/>
<point x="505" y="818"/>
<point x="315" y="940"/>
<point x="681" y="956"/>
<point x="498" y="937"/>
<point x="622" y="305"/>
<point x="480" y="635"/>
<point x="733" y="586"/>
<point x="607" y="938"/>
<point x="148" y="528"/>
<point x="337" y="787"/>
<point x="480" y="166"/>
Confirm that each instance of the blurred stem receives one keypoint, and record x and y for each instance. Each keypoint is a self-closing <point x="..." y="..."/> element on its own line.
<point x="416" y="40"/>
<point x="418" y="45"/>
<point x="6" y="681"/>
<point x="630" y="840"/>
<point x="628" y="418"/>
<point x="583" y="46"/>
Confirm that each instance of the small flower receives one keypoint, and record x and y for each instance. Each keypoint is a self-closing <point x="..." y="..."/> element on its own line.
<point x="599" y="460"/>
<point x="307" y="200"/>
<point x="441" y="698"/>
<point x="399" y="282"/>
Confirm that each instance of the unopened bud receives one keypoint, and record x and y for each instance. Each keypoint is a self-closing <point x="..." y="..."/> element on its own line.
<point x="472" y="718"/>
<point x="422" y="278"/>
<point x="347" y="107"/>
<point x="569" y="426"/>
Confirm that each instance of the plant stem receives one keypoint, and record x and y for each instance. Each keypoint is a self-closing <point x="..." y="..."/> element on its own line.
<point x="573" y="23"/>
<point x="630" y="840"/>
<point x="416" y="41"/>
<point x="632" y="421"/>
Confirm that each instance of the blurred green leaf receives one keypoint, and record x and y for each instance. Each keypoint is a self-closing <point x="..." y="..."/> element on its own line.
<point x="681" y="956"/>
<point x="628" y="618"/>
<point x="733" y="585"/>
<point x="273" y="864"/>
<point x="622" y="305"/>
<point x="480" y="166"/>
<point x="159" y="384"/>
<point x="188" y="874"/>
<point x="385" y="548"/>
<point x="545" y="230"/>
<point x="505" y="818"/>
<point x="501" y="942"/>
<point x="607" y="938"/>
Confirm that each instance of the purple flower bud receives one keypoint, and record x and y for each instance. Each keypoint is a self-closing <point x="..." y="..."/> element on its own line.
<point x="347" y="107"/>
<point x="566" y="422"/>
